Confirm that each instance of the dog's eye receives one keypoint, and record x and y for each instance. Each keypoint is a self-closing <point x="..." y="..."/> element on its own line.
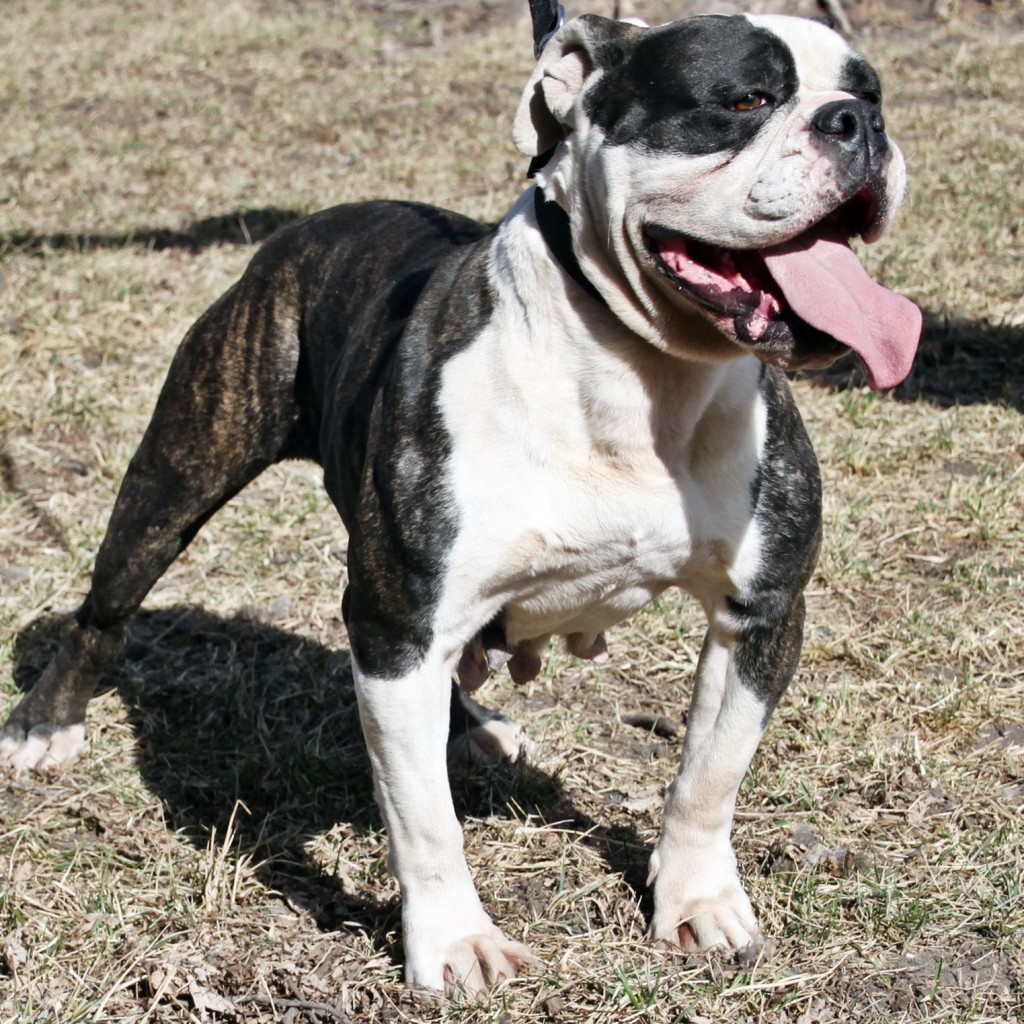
<point x="751" y="101"/>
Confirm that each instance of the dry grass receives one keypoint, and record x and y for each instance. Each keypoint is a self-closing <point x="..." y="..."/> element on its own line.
<point x="217" y="856"/>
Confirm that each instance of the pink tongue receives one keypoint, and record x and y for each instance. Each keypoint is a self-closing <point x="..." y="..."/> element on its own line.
<point x="824" y="282"/>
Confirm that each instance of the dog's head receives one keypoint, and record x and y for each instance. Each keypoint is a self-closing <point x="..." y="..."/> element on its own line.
<point x="714" y="171"/>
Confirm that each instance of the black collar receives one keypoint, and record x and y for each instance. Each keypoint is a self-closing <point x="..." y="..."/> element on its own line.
<point x="553" y="222"/>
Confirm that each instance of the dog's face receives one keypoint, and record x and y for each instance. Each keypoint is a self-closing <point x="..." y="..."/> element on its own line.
<point x="714" y="170"/>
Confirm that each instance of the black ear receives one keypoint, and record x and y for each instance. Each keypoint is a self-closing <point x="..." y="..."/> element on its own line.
<point x="579" y="48"/>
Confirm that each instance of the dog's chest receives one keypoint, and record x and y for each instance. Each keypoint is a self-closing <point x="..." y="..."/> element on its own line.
<point x="571" y="518"/>
<point x="579" y="549"/>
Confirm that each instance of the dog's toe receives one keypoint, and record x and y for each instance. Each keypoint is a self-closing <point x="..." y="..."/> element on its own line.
<point x="453" y="946"/>
<point x="483" y="735"/>
<point x="478" y="964"/>
<point x="499" y="740"/>
<point x="42" y="748"/>
<point x="701" y="906"/>
<point x="717" y="927"/>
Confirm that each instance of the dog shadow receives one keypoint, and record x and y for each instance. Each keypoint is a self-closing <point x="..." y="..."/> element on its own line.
<point x="240" y="227"/>
<point x="960" y="361"/>
<point x="229" y="710"/>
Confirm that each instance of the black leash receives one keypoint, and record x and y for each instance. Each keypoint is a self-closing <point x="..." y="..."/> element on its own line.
<point x="553" y="222"/>
<point x="547" y="20"/>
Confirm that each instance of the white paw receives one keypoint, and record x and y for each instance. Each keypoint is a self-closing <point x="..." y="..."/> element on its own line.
<point x="488" y="737"/>
<point x="492" y="742"/>
<point x="478" y="964"/>
<point x="470" y="967"/>
<point x="700" y="905"/>
<point x="43" y="748"/>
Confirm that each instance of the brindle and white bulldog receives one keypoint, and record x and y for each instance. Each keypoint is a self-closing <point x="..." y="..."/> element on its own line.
<point x="532" y="429"/>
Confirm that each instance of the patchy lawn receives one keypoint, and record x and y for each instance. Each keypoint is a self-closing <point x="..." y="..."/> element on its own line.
<point x="217" y="856"/>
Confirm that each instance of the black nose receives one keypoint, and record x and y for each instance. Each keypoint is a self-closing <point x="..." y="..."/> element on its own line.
<point x="853" y="124"/>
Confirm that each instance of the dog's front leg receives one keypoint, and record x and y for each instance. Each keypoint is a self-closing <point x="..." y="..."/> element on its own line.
<point x="700" y="903"/>
<point x="450" y="941"/>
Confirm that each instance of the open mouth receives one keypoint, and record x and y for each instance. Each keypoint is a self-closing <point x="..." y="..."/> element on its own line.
<point x="801" y="303"/>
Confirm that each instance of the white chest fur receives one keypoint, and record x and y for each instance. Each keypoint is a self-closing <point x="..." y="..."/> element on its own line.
<point x="589" y="475"/>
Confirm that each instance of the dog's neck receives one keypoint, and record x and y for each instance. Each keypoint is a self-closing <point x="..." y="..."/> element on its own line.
<point x="553" y="222"/>
<point x="638" y="397"/>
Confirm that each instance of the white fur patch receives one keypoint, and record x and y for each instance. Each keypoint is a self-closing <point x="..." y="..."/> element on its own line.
<point x="44" y="748"/>
<point x="450" y="941"/>
<point x="652" y="457"/>
<point x="493" y="741"/>
<point x="820" y="52"/>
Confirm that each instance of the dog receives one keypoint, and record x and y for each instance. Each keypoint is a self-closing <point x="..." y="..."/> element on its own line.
<point x="534" y="428"/>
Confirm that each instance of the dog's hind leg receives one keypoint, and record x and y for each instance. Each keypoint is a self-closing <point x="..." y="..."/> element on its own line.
<point x="482" y="734"/>
<point x="227" y="411"/>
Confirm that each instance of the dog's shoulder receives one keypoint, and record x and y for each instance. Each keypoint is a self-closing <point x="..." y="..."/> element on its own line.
<point x="376" y="236"/>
